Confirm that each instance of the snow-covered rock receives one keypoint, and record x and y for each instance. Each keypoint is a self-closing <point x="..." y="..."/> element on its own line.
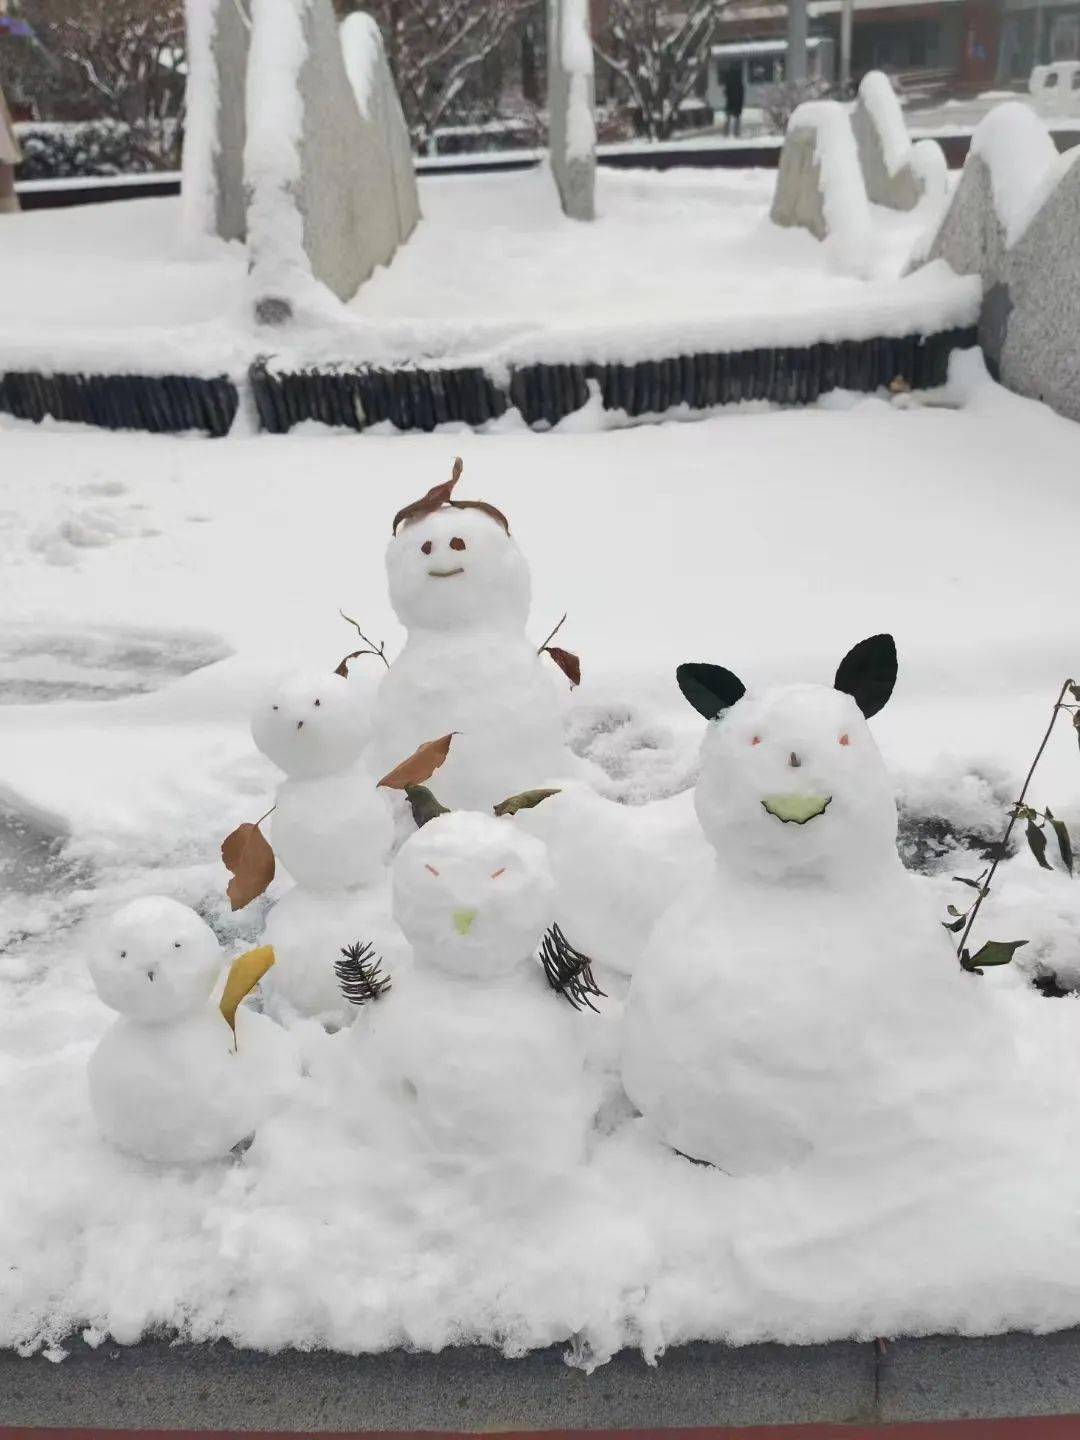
<point x="820" y="186"/>
<point x="896" y="173"/>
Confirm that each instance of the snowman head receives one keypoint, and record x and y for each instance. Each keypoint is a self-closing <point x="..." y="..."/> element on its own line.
<point x="457" y="566"/>
<point x="472" y="894"/>
<point x="312" y="725"/>
<point x="792" y="783"/>
<point x="156" y="961"/>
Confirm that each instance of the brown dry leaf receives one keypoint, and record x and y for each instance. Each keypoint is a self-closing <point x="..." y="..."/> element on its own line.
<point x="527" y="800"/>
<point x="343" y="668"/>
<point x="247" y="856"/>
<point x="420" y="765"/>
<point x="568" y="663"/>
<point x="899" y="386"/>
<point x="435" y="499"/>
<point x="485" y="507"/>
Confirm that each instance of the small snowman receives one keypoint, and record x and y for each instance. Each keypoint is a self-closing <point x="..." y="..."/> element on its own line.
<point x="479" y="1063"/>
<point x="461" y="587"/>
<point x="332" y="829"/>
<point x="801" y="998"/>
<point x="180" y="1077"/>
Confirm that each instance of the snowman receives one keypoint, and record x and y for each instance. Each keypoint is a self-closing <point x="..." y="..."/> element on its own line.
<point x="180" y="1077"/>
<point x="332" y="829"/>
<point x="478" y="1063"/>
<point x="461" y="587"/>
<point x="798" y="1000"/>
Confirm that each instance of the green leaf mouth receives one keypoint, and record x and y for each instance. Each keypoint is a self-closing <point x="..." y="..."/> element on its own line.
<point x="796" y="809"/>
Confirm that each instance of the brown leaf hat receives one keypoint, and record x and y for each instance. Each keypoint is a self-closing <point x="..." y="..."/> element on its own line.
<point x="441" y="496"/>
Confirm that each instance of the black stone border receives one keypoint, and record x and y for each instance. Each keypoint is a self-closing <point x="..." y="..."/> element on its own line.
<point x="418" y="399"/>
<point x="160" y="404"/>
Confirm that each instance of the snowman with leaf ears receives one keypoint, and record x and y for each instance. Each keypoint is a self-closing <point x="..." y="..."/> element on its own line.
<point x="797" y="1001"/>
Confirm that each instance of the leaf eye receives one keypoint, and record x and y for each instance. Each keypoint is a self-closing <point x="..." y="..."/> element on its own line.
<point x="273" y="707"/>
<point x="432" y="869"/>
<point x="176" y="945"/>
<point x="317" y="704"/>
<point x="845" y="739"/>
<point x="457" y="543"/>
<point x="496" y="873"/>
<point x="123" y="954"/>
<point x="425" y="548"/>
<point x="756" y="740"/>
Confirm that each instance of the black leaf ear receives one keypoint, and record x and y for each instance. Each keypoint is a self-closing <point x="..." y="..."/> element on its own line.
<point x="868" y="673"/>
<point x="709" y="688"/>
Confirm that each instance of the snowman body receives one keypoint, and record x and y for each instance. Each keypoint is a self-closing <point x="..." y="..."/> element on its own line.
<point x="460" y="586"/>
<point x="170" y="1081"/>
<point x="799" y="999"/>
<point x="479" y="1063"/>
<point x="310" y="928"/>
<point x="332" y="829"/>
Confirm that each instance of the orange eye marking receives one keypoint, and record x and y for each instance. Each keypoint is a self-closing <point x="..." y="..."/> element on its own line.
<point x="432" y="869"/>
<point x="496" y="873"/>
<point x="756" y="740"/>
<point x="845" y="739"/>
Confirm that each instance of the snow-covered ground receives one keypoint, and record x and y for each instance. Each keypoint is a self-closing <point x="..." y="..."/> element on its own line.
<point x="494" y="271"/>
<point x="150" y="587"/>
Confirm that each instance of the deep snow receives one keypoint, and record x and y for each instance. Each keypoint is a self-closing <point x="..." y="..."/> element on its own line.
<point x="767" y="543"/>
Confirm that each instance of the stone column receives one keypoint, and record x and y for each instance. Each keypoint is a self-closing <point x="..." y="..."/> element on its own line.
<point x="10" y="155"/>
<point x="572" y="107"/>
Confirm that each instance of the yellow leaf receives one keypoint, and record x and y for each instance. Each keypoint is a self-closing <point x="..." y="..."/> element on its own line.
<point x="244" y="974"/>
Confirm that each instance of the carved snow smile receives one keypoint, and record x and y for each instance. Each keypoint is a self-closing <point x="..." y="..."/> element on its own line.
<point x="796" y="809"/>
<point x="446" y="574"/>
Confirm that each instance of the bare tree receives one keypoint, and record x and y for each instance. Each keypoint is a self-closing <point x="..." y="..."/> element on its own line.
<point x="659" y="51"/>
<point x="118" y="59"/>
<point x="437" y="47"/>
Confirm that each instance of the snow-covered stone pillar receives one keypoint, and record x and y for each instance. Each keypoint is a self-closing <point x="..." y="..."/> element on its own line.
<point x="10" y="156"/>
<point x="327" y="165"/>
<point x="215" y="130"/>
<point x="572" y="107"/>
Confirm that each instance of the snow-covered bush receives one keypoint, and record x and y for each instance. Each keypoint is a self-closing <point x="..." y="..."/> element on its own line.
<point x="96" y="147"/>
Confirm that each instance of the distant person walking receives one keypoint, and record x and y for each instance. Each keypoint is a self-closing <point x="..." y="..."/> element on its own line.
<point x="734" y="96"/>
<point x="10" y="155"/>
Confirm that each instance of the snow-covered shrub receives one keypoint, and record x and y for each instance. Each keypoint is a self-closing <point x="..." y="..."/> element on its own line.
<point x="95" y="147"/>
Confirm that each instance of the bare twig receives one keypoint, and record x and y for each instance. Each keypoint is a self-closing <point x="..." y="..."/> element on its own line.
<point x="1017" y="808"/>
<point x="551" y="637"/>
<point x="373" y="649"/>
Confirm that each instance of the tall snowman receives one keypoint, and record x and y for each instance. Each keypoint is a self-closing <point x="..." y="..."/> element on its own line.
<point x="332" y="829"/>
<point x="460" y="586"/>
<point x="801" y="999"/>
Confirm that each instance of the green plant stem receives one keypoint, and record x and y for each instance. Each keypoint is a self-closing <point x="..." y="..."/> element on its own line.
<point x="1058" y="705"/>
